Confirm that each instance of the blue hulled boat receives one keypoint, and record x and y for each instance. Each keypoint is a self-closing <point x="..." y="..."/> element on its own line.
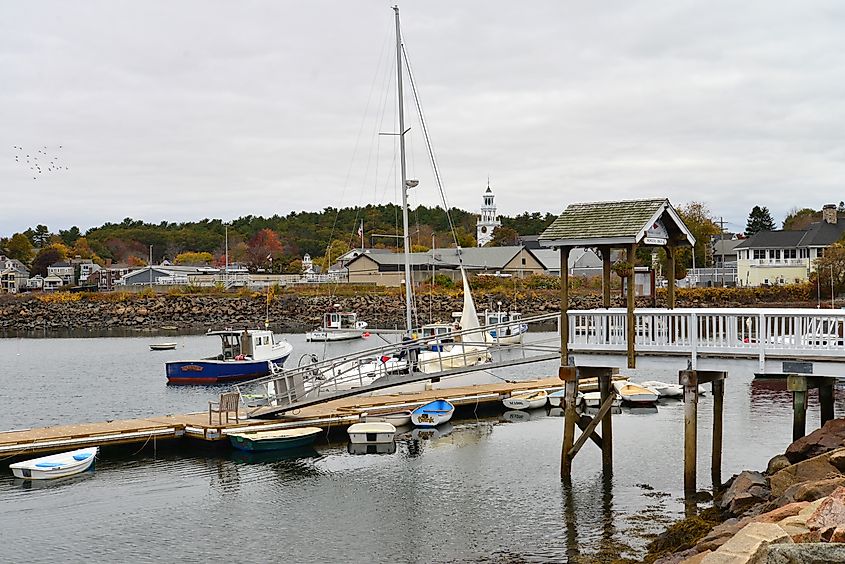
<point x="245" y="355"/>
<point x="433" y="413"/>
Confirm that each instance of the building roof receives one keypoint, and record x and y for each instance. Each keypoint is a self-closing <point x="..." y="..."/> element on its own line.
<point x="621" y="222"/>
<point x="818" y="234"/>
<point x="726" y="246"/>
<point x="470" y="257"/>
<point x="60" y="264"/>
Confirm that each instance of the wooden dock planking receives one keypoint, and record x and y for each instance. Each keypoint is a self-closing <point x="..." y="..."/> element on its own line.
<point x="335" y="413"/>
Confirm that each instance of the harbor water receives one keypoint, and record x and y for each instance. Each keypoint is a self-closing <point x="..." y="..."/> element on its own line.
<point x="485" y="488"/>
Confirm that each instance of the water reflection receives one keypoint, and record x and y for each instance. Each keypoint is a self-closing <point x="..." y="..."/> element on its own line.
<point x="371" y="448"/>
<point x="267" y="456"/>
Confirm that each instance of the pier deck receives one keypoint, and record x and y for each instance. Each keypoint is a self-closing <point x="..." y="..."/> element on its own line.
<point x="336" y="413"/>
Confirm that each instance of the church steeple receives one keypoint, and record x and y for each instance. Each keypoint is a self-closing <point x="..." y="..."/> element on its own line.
<point x="488" y="220"/>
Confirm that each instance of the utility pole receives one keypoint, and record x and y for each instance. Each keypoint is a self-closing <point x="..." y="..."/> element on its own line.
<point x="722" y="246"/>
<point x="151" y="266"/>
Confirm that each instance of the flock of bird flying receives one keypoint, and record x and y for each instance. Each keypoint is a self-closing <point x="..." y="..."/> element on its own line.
<point x="39" y="161"/>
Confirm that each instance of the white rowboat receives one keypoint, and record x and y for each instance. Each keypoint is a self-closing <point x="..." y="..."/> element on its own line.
<point x="395" y="418"/>
<point x="371" y="433"/>
<point x="665" y="389"/>
<point x="55" y="465"/>
<point x="526" y="400"/>
<point x="634" y="393"/>
<point x="433" y="413"/>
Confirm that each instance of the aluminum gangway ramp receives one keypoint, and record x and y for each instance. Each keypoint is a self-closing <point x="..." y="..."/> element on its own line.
<point x="397" y="364"/>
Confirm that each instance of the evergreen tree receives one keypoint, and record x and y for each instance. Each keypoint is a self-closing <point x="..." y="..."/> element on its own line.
<point x="759" y="220"/>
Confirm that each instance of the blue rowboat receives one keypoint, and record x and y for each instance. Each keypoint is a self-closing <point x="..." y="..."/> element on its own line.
<point x="557" y="398"/>
<point x="432" y="414"/>
<point x="280" y="439"/>
<point x="245" y="355"/>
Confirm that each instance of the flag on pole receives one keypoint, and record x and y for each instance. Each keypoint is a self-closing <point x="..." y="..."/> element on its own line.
<point x="361" y="233"/>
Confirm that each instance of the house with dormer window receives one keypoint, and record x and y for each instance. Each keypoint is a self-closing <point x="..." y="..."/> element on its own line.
<point x="787" y="257"/>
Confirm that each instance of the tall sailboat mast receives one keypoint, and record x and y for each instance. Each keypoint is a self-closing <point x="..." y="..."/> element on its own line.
<point x="405" y="183"/>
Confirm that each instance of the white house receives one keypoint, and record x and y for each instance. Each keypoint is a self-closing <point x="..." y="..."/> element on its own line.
<point x="63" y="271"/>
<point x="13" y="275"/>
<point x="786" y="257"/>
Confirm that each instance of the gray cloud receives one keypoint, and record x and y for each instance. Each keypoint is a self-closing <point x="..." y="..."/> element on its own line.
<point x="186" y="110"/>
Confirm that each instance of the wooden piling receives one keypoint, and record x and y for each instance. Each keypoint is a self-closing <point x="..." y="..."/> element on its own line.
<point x="570" y="376"/>
<point x="690" y="384"/>
<point x="564" y="306"/>
<point x="607" y="422"/>
<point x="799" y="384"/>
<point x="718" y="389"/>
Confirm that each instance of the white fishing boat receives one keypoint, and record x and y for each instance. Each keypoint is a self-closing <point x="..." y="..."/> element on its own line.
<point x="433" y="413"/>
<point x="55" y="465"/>
<point x="338" y="326"/>
<point x="508" y="329"/>
<point x="634" y="393"/>
<point x="371" y="432"/>
<point x="526" y="400"/>
<point x="360" y="372"/>
<point x="162" y="346"/>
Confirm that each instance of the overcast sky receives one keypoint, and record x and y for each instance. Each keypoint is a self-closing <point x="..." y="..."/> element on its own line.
<point x="184" y="110"/>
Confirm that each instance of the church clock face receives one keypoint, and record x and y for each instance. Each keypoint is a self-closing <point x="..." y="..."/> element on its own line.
<point x="484" y="229"/>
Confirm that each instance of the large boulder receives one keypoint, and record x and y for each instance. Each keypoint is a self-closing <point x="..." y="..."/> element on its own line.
<point x="830" y="437"/>
<point x="803" y="553"/>
<point x="746" y="490"/>
<point x="749" y="544"/>
<point x="809" y="491"/>
<point x="830" y="513"/>
<point x="810" y="470"/>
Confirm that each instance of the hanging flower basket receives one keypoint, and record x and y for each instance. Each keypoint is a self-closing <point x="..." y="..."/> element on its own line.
<point x="623" y="269"/>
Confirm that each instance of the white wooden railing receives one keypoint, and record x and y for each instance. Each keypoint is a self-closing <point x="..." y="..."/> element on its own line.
<point x="761" y="332"/>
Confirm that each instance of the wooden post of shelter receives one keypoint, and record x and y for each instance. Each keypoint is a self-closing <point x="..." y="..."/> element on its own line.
<point x="605" y="275"/>
<point x="630" y="299"/>
<point x="567" y="373"/>
<point x="670" y="276"/>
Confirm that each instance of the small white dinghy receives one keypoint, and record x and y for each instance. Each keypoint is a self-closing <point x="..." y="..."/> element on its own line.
<point x="371" y="433"/>
<point x="55" y="465"/>
<point x="556" y="398"/>
<point x="396" y="418"/>
<point x="634" y="393"/>
<point x="593" y="399"/>
<point x="527" y="400"/>
<point x="665" y="389"/>
<point x="162" y="346"/>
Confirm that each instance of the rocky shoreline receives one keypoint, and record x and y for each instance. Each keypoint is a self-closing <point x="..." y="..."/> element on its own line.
<point x="792" y="512"/>
<point x="287" y="311"/>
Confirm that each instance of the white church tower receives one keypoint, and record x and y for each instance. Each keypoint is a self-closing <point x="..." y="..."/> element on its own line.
<point x="487" y="221"/>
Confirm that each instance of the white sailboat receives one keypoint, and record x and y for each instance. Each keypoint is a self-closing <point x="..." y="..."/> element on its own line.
<point x="471" y="349"/>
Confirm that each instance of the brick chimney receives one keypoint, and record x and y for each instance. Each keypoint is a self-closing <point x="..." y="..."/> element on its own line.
<point x="829" y="213"/>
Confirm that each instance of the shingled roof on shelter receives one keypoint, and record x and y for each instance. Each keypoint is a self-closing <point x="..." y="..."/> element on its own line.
<point x="614" y="223"/>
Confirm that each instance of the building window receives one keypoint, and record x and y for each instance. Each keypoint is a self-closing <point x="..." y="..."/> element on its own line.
<point x="759" y="254"/>
<point x="775" y="254"/>
<point x="523" y="261"/>
<point x="790" y="253"/>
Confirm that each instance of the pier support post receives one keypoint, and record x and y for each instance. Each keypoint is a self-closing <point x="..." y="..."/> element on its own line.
<point x="690" y="380"/>
<point x="606" y="423"/>
<point x="670" y="277"/>
<point x="799" y="384"/>
<point x="569" y="375"/>
<point x="718" y="389"/>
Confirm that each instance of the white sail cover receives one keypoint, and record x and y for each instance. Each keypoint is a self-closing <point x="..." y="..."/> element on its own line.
<point x="469" y="317"/>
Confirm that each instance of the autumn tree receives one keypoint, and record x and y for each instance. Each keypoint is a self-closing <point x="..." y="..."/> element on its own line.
<point x="504" y="237"/>
<point x="759" y="220"/>
<point x="798" y="219"/>
<point x="699" y="221"/>
<point x="46" y="256"/>
<point x="264" y="247"/>
<point x="20" y="248"/>
<point x="336" y="249"/>
<point x="193" y="258"/>
<point x="830" y="270"/>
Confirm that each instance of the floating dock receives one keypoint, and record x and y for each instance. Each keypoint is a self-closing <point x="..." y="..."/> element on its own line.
<point x="332" y="414"/>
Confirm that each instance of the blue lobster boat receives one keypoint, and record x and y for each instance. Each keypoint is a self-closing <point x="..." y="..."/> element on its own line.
<point x="245" y="355"/>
